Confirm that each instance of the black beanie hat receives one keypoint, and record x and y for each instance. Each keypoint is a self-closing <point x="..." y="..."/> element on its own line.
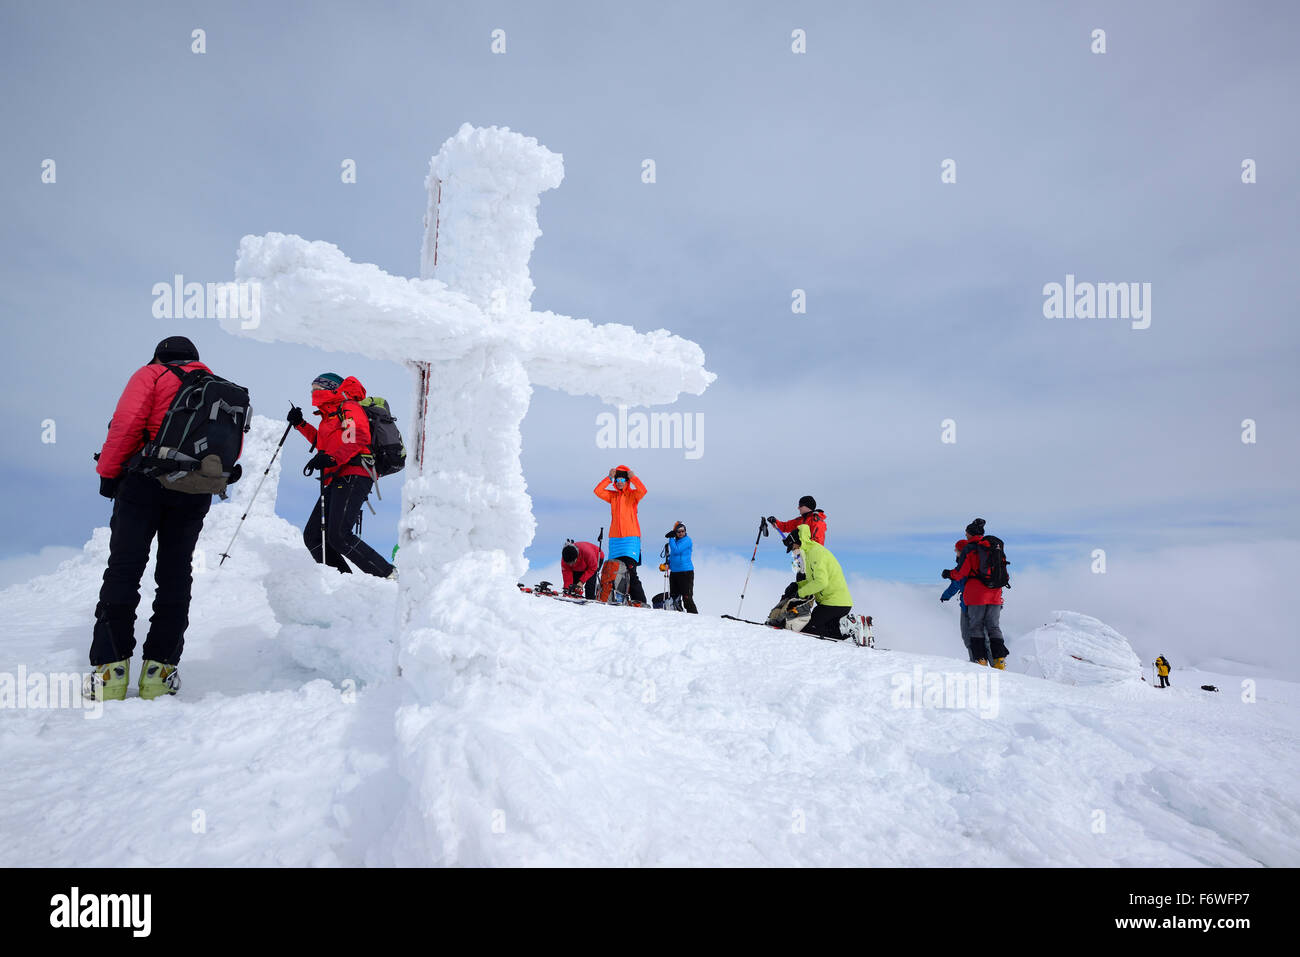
<point x="809" y="501"/>
<point x="570" y="553"/>
<point x="976" y="527"/>
<point x="175" y="348"/>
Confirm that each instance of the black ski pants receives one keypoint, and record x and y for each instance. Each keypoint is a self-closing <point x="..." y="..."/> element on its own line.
<point x="985" y="624"/>
<point x="683" y="584"/>
<point x="344" y="498"/>
<point x="825" y="621"/>
<point x="143" y="509"/>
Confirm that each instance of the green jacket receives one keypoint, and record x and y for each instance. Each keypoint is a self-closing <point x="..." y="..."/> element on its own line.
<point x="824" y="578"/>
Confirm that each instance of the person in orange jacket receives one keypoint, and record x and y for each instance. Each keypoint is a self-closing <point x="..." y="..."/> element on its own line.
<point x="623" y="490"/>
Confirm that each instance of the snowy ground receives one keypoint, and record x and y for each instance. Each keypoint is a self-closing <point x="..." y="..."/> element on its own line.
<point x="606" y="736"/>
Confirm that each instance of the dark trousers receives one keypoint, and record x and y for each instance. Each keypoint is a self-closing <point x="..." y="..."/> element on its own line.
<point x="965" y="632"/>
<point x="1164" y="681"/>
<point x="344" y="499"/>
<point x="683" y="584"/>
<point x="141" y="510"/>
<point x="825" y="621"/>
<point x="634" y="589"/>
<point x="592" y="585"/>
<point x="985" y="626"/>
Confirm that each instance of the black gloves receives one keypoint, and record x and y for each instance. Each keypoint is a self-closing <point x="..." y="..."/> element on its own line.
<point x="942" y="598"/>
<point x="108" y="486"/>
<point x="320" y="460"/>
<point x="791" y="591"/>
<point x="771" y="519"/>
<point x="295" y="415"/>
<point x="672" y="534"/>
<point x="946" y="573"/>
<point x="235" y="474"/>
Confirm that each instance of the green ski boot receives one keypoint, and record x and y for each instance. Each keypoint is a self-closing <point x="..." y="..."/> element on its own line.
<point x="158" y="679"/>
<point x="107" y="682"/>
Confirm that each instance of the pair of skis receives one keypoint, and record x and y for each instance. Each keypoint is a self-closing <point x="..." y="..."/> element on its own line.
<point x="868" y="639"/>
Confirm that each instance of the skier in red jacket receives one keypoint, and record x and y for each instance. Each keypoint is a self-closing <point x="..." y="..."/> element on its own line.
<point x="143" y="510"/>
<point x="580" y="564"/>
<point x="810" y="515"/>
<point x="983" y="604"/>
<point x="343" y="457"/>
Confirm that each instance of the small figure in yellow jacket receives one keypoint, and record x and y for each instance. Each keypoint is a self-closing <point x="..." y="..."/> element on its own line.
<point x="824" y="581"/>
<point x="1162" y="669"/>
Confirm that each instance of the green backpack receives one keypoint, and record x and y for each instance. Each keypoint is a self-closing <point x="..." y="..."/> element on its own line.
<point x="386" y="445"/>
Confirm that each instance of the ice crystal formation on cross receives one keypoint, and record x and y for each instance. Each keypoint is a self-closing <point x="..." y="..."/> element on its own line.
<point x="467" y="330"/>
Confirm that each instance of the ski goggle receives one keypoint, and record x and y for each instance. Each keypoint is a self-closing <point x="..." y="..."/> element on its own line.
<point x="327" y="385"/>
<point x="619" y="480"/>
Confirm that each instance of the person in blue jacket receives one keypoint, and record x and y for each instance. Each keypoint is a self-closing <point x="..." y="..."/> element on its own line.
<point x="955" y="588"/>
<point x="681" y="573"/>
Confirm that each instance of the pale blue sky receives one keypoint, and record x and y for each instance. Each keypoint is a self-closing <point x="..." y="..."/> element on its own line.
<point x="775" y="171"/>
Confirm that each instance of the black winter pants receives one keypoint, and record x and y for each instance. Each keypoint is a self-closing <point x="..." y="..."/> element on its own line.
<point x="985" y="624"/>
<point x="825" y="620"/>
<point x="683" y="584"/>
<point x="141" y="510"/>
<point x="344" y="499"/>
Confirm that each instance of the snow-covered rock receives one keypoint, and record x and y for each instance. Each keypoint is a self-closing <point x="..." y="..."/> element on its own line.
<point x="1076" y="649"/>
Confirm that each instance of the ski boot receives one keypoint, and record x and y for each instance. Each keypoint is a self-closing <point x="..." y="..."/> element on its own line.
<point x="858" y="627"/>
<point x="107" y="682"/>
<point x="158" y="679"/>
<point x="982" y="661"/>
<point x="1000" y="664"/>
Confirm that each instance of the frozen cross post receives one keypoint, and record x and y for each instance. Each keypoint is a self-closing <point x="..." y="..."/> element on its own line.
<point x="476" y="348"/>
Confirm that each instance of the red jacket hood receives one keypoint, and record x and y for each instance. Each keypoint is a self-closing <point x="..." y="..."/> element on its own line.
<point x="326" y="400"/>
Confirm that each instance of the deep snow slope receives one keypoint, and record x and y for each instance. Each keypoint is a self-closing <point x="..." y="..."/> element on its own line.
<point x="593" y="735"/>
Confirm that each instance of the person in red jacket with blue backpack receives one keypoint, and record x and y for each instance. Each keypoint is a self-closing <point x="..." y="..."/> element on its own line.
<point x="142" y="511"/>
<point x="342" y="442"/>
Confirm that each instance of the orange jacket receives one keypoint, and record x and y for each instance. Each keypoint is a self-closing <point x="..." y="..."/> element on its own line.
<point x="622" y="504"/>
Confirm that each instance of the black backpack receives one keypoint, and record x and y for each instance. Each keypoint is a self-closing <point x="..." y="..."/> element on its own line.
<point x="201" y="435"/>
<point x="992" y="570"/>
<point x="386" y="445"/>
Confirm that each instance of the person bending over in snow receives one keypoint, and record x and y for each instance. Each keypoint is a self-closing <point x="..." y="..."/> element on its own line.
<point x="681" y="571"/>
<point x="1162" y="669"/>
<point x="624" y="528"/>
<point x="347" y="474"/>
<point x="824" y="581"/>
<point x="955" y="588"/>
<point x="810" y="515"/>
<point x="580" y="565"/>
<point x="983" y="604"/>
<point x="142" y="510"/>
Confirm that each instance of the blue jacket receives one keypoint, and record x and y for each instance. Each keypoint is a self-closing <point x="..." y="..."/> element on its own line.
<point x="679" y="554"/>
<point x="625" y="546"/>
<point x="954" y="588"/>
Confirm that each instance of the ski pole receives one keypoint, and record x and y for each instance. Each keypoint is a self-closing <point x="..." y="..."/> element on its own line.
<point x="762" y="530"/>
<point x="249" y="507"/>
<point x="667" y="595"/>
<point x="323" y="546"/>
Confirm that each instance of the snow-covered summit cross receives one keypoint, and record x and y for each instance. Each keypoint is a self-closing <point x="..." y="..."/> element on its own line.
<point x="476" y="348"/>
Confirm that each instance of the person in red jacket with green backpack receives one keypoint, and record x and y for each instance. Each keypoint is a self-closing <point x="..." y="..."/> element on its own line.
<point x="342" y="442"/>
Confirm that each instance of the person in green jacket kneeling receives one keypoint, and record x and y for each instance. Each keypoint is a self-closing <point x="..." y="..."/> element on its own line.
<point x="824" y="581"/>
